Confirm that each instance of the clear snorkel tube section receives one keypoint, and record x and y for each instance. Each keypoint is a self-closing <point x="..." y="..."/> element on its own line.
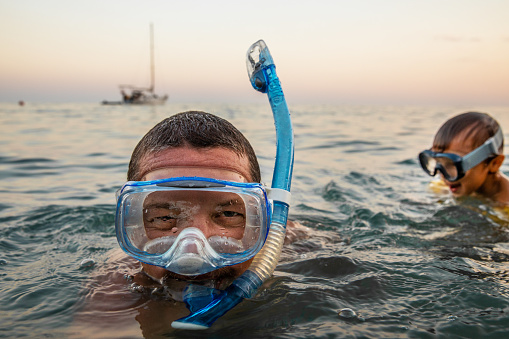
<point x="208" y="306"/>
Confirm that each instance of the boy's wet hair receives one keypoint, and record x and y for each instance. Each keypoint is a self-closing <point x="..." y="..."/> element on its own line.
<point x="478" y="127"/>
<point x="195" y="129"/>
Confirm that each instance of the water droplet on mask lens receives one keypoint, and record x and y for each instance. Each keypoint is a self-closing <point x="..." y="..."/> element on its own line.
<point x="85" y="263"/>
<point x="347" y="313"/>
<point x="134" y="287"/>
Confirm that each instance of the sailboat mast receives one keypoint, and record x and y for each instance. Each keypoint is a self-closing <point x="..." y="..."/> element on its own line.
<point x="152" y="72"/>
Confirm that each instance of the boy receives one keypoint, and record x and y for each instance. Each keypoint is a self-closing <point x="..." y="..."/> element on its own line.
<point x="468" y="152"/>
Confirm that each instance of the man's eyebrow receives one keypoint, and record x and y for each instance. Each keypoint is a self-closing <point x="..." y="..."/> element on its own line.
<point x="231" y="202"/>
<point x="158" y="205"/>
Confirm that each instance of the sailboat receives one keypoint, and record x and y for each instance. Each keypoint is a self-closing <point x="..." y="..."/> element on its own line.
<point x="134" y="95"/>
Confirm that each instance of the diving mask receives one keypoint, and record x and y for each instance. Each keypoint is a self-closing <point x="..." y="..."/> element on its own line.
<point x="192" y="225"/>
<point x="452" y="166"/>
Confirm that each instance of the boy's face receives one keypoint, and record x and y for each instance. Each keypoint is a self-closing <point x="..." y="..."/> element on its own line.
<point x="475" y="177"/>
<point x="216" y="163"/>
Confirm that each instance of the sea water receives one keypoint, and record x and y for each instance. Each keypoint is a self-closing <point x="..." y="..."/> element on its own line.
<point x="385" y="255"/>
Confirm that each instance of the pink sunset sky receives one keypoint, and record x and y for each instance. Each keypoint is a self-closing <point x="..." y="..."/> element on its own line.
<point x="360" y="52"/>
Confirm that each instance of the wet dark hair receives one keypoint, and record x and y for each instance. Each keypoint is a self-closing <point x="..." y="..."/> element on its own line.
<point x="477" y="126"/>
<point x="195" y="129"/>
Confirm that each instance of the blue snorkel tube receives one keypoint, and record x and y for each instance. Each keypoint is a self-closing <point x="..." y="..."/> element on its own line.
<point x="207" y="306"/>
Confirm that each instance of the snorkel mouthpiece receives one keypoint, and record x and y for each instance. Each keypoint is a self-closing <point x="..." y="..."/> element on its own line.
<point x="207" y="308"/>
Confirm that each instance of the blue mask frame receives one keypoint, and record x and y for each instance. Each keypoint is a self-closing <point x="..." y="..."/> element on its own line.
<point x="130" y="205"/>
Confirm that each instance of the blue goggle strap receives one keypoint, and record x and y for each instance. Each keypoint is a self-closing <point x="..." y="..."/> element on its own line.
<point x="490" y="147"/>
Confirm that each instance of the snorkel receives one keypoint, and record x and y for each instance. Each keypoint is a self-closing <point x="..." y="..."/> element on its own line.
<point x="208" y="305"/>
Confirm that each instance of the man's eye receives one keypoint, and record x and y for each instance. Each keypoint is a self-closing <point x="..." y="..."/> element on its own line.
<point x="161" y="221"/>
<point x="230" y="219"/>
<point x="165" y="218"/>
<point x="231" y="214"/>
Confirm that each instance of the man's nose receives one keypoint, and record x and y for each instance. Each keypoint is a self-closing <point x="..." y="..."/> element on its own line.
<point x="203" y="222"/>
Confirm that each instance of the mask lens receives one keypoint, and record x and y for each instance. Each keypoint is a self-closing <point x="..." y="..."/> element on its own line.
<point x="169" y="223"/>
<point x="448" y="167"/>
<point x="167" y="213"/>
<point x="158" y="245"/>
<point x="428" y="163"/>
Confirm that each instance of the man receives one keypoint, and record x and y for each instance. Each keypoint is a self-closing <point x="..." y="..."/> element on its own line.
<point x="188" y="144"/>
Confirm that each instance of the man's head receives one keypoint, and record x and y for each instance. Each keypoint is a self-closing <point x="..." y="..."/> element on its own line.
<point x="195" y="144"/>
<point x="194" y="130"/>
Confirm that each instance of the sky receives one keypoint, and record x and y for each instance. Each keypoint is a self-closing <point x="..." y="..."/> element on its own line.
<point x="326" y="52"/>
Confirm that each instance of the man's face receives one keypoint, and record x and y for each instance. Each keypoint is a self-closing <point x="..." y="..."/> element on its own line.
<point x="166" y="214"/>
<point x="209" y="214"/>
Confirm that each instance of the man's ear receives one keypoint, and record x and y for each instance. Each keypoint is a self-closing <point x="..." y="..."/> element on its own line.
<point x="495" y="164"/>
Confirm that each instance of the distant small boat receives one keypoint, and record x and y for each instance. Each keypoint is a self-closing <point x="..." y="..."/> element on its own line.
<point x="141" y="95"/>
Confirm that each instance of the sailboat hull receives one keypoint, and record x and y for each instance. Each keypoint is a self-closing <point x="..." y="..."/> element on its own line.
<point x="149" y="100"/>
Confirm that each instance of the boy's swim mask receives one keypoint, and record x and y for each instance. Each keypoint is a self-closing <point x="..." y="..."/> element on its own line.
<point x="192" y="225"/>
<point x="452" y="166"/>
